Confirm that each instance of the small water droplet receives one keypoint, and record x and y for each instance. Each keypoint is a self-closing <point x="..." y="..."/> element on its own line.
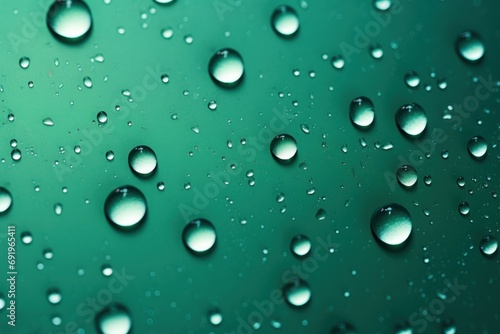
<point x="125" y="207"/>
<point x="110" y="155"/>
<point x="16" y="155"/>
<point x="142" y="161"/>
<point x="215" y="317"/>
<point x="284" y="148"/>
<point x="297" y="293"/>
<point x="24" y="62"/>
<point x="300" y="245"/>
<point x="470" y="46"/>
<point x="407" y="175"/>
<point x="477" y="147"/>
<point x="376" y="51"/>
<point x="338" y="62"/>
<point x="199" y="236"/>
<point x="69" y="20"/>
<point x="26" y="238"/>
<point x="114" y="319"/>
<point x="212" y="105"/>
<point x="226" y="68"/>
<point x="412" y="79"/>
<point x="87" y="82"/>
<point x="382" y="5"/>
<point x="54" y="296"/>
<point x="107" y="270"/>
<point x="362" y="112"/>
<point x="488" y="245"/>
<point x="58" y="209"/>
<point x="391" y="224"/>
<point x="285" y="21"/>
<point x="5" y="200"/>
<point x="411" y="119"/>
<point x="102" y="117"/>
<point x="464" y="208"/>
<point x="48" y="121"/>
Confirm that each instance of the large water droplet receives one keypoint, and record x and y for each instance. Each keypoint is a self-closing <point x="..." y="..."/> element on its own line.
<point x="412" y="79"/>
<point x="362" y="112"/>
<point x="199" y="235"/>
<point x="114" y="319"/>
<point x="5" y="199"/>
<point x="54" y="296"/>
<point x="407" y="175"/>
<point x="142" y="160"/>
<point x="464" y="208"/>
<point x="382" y="4"/>
<point x="477" y="147"/>
<point x="488" y="245"/>
<point x="391" y="224"/>
<point x="24" y="62"/>
<point x="226" y="67"/>
<point x="470" y="46"/>
<point x="300" y="245"/>
<point x="69" y="20"/>
<point x="411" y="119"/>
<point x="215" y="317"/>
<point x="125" y="206"/>
<point x="285" y="21"/>
<point x="297" y="293"/>
<point x="284" y="148"/>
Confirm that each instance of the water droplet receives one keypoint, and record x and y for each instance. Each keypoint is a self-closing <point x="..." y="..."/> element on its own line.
<point x="226" y="67"/>
<point x="199" y="235"/>
<point x="285" y="21"/>
<point x="69" y="20"/>
<point x="114" y="319"/>
<point x="167" y="33"/>
<point x="391" y="224"/>
<point x="338" y="62"/>
<point x="442" y="84"/>
<point x="160" y="186"/>
<point x="407" y="175"/>
<point x="297" y="293"/>
<point x="107" y="270"/>
<point x="212" y="105"/>
<point x="300" y="245"/>
<point x="320" y="214"/>
<point x="5" y="200"/>
<point x="411" y="119"/>
<point x="362" y="112"/>
<point x="58" y="208"/>
<point x="461" y="182"/>
<point x="215" y="317"/>
<point x="110" y="155"/>
<point x="16" y="155"/>
<point x="142" y="160"/>
<point x="87" y="82"/>
<point x="464" y="208"/>
<point x="477" y="147"/>
<point x="470" y="46"/>
<point x="54" y="296"/>
<point x="488" y="245"/>
<point x="48" y="254"/>
<point x="382" y="4"/>
<point x="24" y="62"/>
<point x="164" y="2"/>
<point x="284" y="148"/>
<point x="102" y="117"/>
<point x="412" y="79"/>
<point x="376" y="51"/>
<point x="125" y="206"/>
<point x="48" y="121"/>
<point x="26" y="238"/>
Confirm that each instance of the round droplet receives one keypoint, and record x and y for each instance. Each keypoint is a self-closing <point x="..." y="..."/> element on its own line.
<point x="376" y="51"/>
<point x="125" y="206"/>
<point x="5" y="200"/>
<point x="58" y="209"/>
<point x="102" y="117"/>
<point x="362" y="112"/>
<point x="212" y="105"/>
<point x="284" y="148"/>
<point x="87" y="81"/>
<point x="48" y="253"/>
<point x="477" y="147"/>
<point x="54" y="296"/>
<point x="300" y="245"/>
<point x="199" y="235"/>
<point x="15" y="154"/>
<point x="412" y="79"/>
<point x="107" y="270"/>
<point x="391" y="224"/>
<point x="110" y="155"/>
<point x="69" y="20"/>
<point x="411" y="119"/>
<point x="226" y="67"/>
<point x="114" y="319"/>
<point x="488" y="245"/>
<point x="464" y="208"/>
<point x="26" y="238"/>
<point x="297" y="293"/>
<point x="285" y="21"/>
<point x="215" y="317"/>
<point x="382" y="4"/>
<point x="142" y="160"/>
<point x="407" y="175"/>
<point x="470" y="46"/>
<point x="338" y="62"/>
<point x="24" y="62"/>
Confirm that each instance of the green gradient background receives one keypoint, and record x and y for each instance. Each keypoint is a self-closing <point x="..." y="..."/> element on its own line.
<point x="237" y="273"/>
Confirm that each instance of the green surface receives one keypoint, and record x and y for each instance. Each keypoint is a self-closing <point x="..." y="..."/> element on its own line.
<point x="173" y="290"/>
